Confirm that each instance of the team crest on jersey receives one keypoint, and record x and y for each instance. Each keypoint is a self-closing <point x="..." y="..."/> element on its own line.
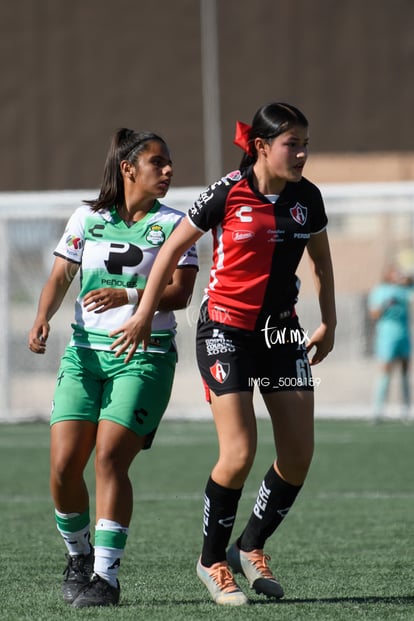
<point x="220" y="371"/>
<point x="73" y="242"/>
<point x="155" y="235"/>
<point x="299" y="213"/>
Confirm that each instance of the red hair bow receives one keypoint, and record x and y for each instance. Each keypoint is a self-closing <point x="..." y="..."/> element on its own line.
<point x="242" y="137"/>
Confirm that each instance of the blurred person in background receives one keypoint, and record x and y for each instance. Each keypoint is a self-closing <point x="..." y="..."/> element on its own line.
<point x="262" y="217"/>
<point x="389" y="307"/>
<point x="99" y="402"/>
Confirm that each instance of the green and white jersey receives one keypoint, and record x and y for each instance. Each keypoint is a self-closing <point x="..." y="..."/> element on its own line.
<point x="112" y="253"/>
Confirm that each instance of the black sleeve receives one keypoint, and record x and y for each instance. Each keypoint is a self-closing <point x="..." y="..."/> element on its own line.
<point x="208" y="210"/>
<point x="318" y="217"/>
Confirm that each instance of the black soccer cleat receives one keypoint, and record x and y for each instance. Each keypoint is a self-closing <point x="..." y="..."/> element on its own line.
<point x="97" y="593"/>
<point x="77" y="574"/>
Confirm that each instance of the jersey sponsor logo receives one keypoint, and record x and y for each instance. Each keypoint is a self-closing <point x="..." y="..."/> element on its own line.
<point x="218" y="344"/>
<point x="242" y="236"/>
<point x="244" y="209"/>
<point x="155" y="235"/>
<point x="122" y="255"/>
<point x="74" y="242"/>
<point x="299" y="213"/>
<point x="220" y="371"/>
<point x="115" y="282"/>
<point x="235" y="175"/>
<point x="194" y="210"/>
<point x="275" y="235"/>
<point x="203" y="199"/>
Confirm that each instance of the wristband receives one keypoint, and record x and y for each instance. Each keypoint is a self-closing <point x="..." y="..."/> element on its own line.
<point x="132" y="295"/>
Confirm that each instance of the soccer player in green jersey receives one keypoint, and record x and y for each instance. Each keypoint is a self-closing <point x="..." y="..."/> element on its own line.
<point x="99" y="401"/>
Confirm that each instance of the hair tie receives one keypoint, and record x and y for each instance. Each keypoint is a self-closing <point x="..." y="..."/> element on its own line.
<point x="242" y="137"/>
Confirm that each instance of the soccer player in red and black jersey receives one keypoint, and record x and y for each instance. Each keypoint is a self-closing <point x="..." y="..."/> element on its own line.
<point x="262" y="218"/>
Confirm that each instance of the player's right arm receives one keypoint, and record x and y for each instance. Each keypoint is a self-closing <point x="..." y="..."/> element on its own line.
<point x="51" y="297"/>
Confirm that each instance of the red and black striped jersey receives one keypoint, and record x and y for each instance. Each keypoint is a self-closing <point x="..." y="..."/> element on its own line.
<point x="257" y="246"/>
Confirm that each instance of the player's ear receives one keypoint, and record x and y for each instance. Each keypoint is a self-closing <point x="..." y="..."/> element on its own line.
<point x="127" y="169"/>
<point x="260" y="145"/>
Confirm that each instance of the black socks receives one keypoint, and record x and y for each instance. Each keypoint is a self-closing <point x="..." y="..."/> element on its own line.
<point x="273" y="502"/>
<point x="220" y="508"/>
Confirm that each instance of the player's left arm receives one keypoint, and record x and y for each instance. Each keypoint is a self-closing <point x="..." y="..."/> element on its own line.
<point x="321" y="265"/>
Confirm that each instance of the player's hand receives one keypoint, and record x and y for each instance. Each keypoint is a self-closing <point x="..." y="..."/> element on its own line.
<point x="322" y="340"/>
<point x="38" y="336"/>
<point x="101" y="300"/>
<point x="130" y="335"/>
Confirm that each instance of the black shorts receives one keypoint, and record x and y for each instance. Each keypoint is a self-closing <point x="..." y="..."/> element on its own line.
<point x="235" y="360"/>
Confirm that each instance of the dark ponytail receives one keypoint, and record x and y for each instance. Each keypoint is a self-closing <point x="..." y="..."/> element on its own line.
<point x="126" y="144"/>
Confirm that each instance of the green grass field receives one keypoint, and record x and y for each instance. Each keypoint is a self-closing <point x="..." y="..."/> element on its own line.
<point x="345" y="552"/>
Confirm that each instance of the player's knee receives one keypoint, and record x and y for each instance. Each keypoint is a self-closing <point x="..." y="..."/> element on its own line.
<point x="109" y="461"/>
<point x="295" y="469"/>
<point x="105" y="463"/>
<point x="235" y="466"/>
<point x="64" y="472"/>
